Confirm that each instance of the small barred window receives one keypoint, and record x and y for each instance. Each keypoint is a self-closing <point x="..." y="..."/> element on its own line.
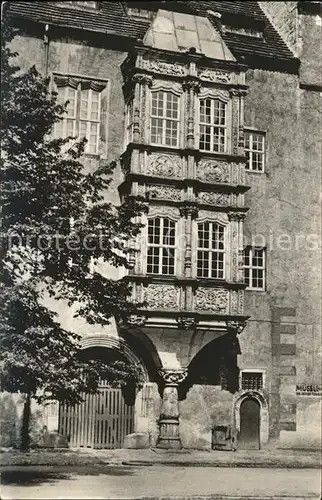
<point x="252" y="381"/>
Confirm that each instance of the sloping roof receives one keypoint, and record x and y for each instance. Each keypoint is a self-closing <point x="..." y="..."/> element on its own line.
<point x="179" y="32"/>
<point x="112" y="19"/>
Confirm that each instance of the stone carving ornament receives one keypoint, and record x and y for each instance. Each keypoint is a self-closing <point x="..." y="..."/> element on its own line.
<point x="210" y="299"/>
<point x="236" y="326"/>
<point x="162" y="296"/>
<point x="215" y="76"/>
<point x="173" y="377"/>
<point x="166" y="68"/>
<point x="135" y="320"/>
<point x="185" y="323"/>
<point x="163" y="166"/>
<point x="162" y="192"/>
<point x="214" y="198"/>
<point x="213" y="171"/>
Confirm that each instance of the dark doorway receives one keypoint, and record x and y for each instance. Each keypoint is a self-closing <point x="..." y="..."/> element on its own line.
<point x="248" y="438"/>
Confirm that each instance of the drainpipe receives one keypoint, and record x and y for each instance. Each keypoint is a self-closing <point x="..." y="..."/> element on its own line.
<point x="46" y="44"/>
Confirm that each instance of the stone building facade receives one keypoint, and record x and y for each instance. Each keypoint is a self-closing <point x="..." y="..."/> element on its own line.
<point x="213" y="111"/>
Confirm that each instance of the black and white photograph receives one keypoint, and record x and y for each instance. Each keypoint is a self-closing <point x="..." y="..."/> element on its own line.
<point x="161" y="263"/>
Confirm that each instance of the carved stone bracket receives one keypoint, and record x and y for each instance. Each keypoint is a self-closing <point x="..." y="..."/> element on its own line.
<point x="143" y="79"/>
<point x="191" y="84"/>
<point x="238" y="92"/>
<point x="135" y="320"/>
<point x="189" y="209"/>
<point x="186" y="323"/>
<point x="173" y="377"/>
<point x="236" y="327"/>
<point x="236" y="216"/>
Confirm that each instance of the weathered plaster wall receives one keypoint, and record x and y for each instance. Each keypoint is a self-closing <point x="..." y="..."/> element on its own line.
<point x="204" y="407"/>
<point x="71" y="57"/>
<point x="310" y="46"/>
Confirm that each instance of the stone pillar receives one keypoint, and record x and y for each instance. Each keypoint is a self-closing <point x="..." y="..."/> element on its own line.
<point x="189" y="210"/>
<point x="142" y="83"/>
<point x="233" y="218"/>
<point x="169" y="436"/>
<point x="240" y="264"/>
<point x="191" y="86"/>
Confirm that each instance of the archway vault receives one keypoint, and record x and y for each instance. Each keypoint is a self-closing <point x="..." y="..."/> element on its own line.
<point x="117" y="344"/>
<point x="264" y="415"/>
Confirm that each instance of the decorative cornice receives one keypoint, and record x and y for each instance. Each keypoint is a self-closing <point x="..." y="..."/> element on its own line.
<point x="236" y="216"/>
<point x="173" y="377"/>
<point x="67" y="81"/>
<point x="185" y="323"/>
<point x="236" y="327"/>
<point x="191" y="83"/>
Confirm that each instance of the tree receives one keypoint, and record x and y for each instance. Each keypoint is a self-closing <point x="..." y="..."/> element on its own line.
<point x="55" y="224"/>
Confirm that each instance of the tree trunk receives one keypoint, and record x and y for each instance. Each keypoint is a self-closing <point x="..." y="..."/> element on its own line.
<point x="25" y="438"/>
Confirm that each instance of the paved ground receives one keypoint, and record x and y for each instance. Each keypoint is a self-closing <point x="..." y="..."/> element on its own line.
<point x="157" y="481"/>
<point x="212" y="458"/>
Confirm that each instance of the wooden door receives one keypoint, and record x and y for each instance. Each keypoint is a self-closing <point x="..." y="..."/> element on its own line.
<point x="101" y="421"/>
<point x="249" y="436"/>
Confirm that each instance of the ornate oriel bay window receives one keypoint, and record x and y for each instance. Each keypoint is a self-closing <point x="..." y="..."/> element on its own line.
<point x="185" y="152"/>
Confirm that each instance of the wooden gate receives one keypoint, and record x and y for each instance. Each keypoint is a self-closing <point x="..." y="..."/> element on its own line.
<point x="101" y="421"/>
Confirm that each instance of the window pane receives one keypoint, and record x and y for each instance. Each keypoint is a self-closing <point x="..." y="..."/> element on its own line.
<point x="255" y="151"/>
<point x="153" y="260"/>
<point x="203" y="264"/>
<point x="71" y="97"/>
<point x="156" y="131"/>
<point x="205" y="135"/>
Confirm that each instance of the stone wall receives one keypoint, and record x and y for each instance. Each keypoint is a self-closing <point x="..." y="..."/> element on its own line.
<point x="283" y="335"/>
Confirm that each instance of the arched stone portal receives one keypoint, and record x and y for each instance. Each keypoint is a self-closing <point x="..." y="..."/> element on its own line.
<point x="206" y="395"/>
<point x="103" y="420"/>
<point x="250" y="412"/>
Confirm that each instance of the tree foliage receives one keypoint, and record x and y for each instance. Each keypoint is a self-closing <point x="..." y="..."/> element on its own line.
<point x="51" y="206"/>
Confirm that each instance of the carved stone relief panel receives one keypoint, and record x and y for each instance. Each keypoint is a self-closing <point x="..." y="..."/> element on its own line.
<point x="163" y="192"/>
<point x="163" y="165"/>
<point x="216" y="76"/>
<point x="162" y="296"/>
<point x="212" y="198"/>
<point x="213" y="171"/>
<point x="211" y="300"/>
<point x="165" y="68"/>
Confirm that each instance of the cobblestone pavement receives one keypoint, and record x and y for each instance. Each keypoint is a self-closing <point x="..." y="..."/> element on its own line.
<point x="159" y="482"/>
